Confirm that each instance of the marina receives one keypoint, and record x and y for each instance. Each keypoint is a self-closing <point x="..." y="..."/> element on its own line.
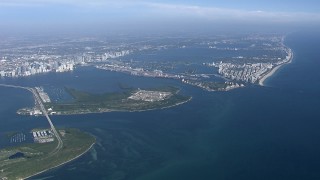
<point x="18" y="138"/>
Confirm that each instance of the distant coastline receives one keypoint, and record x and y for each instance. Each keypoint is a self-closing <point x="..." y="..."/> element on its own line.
<point x="275" y="69"/>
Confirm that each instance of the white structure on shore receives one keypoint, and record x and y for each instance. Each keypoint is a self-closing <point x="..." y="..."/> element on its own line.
<point x="42" y="136"/>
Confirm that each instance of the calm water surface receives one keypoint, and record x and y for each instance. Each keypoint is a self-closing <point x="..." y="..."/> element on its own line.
<point x="250" y="133"/>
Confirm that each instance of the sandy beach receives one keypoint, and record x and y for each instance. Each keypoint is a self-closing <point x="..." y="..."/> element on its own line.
<point x="269" y="74"/>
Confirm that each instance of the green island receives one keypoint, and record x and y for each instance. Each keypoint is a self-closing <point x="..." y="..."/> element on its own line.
<point x="21" y="162"/>
<point x="129" y="100"/>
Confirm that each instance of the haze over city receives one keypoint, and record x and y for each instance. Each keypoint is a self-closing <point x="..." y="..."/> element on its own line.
<point x="160" y="89"/>
<point x="155" y="15"/>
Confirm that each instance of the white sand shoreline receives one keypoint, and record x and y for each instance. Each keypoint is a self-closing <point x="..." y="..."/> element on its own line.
<point x="269" y="74"/>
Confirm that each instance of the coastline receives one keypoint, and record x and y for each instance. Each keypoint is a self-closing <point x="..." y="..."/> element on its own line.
<point x="275" y="69"/>
<point x="130" y="111"/>
<point x="94" y="142"/>
<point x="115" y="110"/>
<point x="62" y="163"/>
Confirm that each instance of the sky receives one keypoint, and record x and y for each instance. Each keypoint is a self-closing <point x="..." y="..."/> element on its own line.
<point x="17" y="15"/>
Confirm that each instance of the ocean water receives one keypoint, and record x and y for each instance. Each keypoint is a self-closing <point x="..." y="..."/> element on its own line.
<point x="250" y="133"/>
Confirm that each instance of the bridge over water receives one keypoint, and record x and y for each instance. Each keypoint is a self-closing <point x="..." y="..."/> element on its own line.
<point x="39" y="102"/>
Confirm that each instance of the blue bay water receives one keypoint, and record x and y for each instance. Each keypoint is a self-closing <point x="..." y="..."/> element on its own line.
<point x="250" y="133"/>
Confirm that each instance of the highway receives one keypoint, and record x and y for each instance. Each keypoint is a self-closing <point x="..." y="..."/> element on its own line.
<point x="44" y="112"/>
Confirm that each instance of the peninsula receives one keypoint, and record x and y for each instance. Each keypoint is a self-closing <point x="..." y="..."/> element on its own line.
<point x="24" y="161"/>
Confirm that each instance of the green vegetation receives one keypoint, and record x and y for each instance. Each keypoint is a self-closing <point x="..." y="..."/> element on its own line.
<point x="215" y="85"/>
<point x="40" y="157"/>
<point x="85" y="102"/>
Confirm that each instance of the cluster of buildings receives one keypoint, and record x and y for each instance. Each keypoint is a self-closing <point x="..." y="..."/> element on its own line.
<point x="32" y="112"/>
<point x="246" y="72"/>
<point x="28" y="65"/>
<point x="137" y="71"/>
<point x="93" y="57"/>
<point x="150" y="96"/>
<point x="31" y="65"/>
<point x="110" y="55"/>
<point x="232" y="85"/>
<point x="213" y="86"/>
<point x="43" y="136"/>
<point x="250" y="72"/>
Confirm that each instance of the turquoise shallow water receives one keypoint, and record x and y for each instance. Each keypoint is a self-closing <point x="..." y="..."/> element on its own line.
<point x="250" y="133"/>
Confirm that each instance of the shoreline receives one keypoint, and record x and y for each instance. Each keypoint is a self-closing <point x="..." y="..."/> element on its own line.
<point x="275" y="69"/>
<point x="129" y="111"/>
<point x="114" y="110"/>
<point x="94" y="142"/>
<point x="61" y="163"/>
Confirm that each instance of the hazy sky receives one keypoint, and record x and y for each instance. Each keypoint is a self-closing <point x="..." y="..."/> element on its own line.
<point x="44" y="14"/>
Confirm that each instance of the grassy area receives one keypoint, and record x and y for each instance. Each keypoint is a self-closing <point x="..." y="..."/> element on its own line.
<point x="39" y="157"/>
<point x="85" y="102"/>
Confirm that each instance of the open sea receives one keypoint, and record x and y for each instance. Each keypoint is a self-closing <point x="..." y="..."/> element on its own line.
<point x="264" y="133"/>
